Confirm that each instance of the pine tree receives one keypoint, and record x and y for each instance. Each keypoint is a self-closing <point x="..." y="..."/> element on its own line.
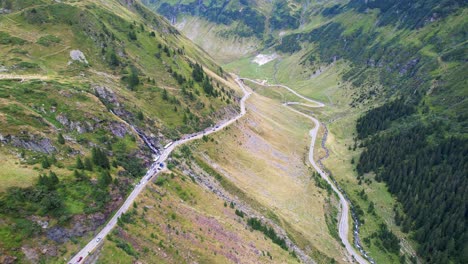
<point x="428" y="178"/>
<point x="104" y="161"/>
<point x="207" y="87"/>
<point x="140" y="115"/>
<point x="132" y="35"/>
<point x="113" y="59"/>
<point x="104" y="178"/>
<point x="54" y="180"/>
<point x="78" y="175"/>
<point x="197" y="73"/>
<point x="100" y="158"/>
<point x="165" y="97"/>
<point x="53" y="159"/>
<point x="371" y="209"/>
<point x="45" y="163"/>
<point x="88" y="165"/>
<point x="94" y="156"/>
<point x="133" y="79"/>
<point x="79" y="163"/>
<point x="42" y="180"/>
<point x="60" y="139"/>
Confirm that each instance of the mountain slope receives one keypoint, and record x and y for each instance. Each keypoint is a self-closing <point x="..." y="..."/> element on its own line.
<point x="90" y="89"/>
<point x="405" y="59"/>
<point x="83" y="86"/>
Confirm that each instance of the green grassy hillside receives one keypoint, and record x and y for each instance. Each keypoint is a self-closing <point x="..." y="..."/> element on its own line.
<point x="74" y="75"/>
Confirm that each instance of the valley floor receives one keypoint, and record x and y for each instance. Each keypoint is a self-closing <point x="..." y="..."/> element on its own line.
<point x="264" y="157"/>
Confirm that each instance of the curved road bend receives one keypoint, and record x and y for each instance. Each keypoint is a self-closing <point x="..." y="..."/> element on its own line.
<point x="152" y="171"/>
<point x="343" y="227"/>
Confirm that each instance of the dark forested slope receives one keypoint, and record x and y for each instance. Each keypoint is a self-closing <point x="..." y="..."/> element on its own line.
<point x="426" y="168"/>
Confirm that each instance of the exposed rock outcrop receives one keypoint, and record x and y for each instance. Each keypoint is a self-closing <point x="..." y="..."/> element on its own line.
<point x="80" y="127"/>
<point x="4" y="11"/>
<point x="31" y="142"/>
<point x="81" y="226"/>
<point x="62" y="119"/>
<point x="118" y="129"/>
<point x="106" y="95"/>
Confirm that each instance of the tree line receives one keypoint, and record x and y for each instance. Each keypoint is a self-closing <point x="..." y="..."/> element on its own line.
<point x="427" y="172"/>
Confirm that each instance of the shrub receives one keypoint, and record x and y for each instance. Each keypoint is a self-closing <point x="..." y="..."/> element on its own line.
<point x="27" y="65"/>
<point x="6" y="39"/>
<point x="45" y="163"/>
<point x="60" y="139"/>
<point x="48" y="40"/>
<point x="268" y="231"/>
<point x="239" y="213"/>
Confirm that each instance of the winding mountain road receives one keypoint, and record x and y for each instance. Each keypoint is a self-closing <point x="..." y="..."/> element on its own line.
<point x="155" y="169"/>
<point x="343" y="227"/>
<point x="152" y="171"/>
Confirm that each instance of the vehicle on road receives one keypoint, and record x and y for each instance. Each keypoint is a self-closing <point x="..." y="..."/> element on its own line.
<point x="80" y="259"/>
<point x="98" y="239"/>
<point x="168" y="145"/>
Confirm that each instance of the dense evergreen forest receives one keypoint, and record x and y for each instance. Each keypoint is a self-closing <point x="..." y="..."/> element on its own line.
<point x="251" y="22"/>
<point x="381" y="117"/>
<point x="408" y="14"/>
<point x="428" y="173"/>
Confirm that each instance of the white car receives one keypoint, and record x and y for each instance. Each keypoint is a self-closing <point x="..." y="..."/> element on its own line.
<point x="98" y="239"/>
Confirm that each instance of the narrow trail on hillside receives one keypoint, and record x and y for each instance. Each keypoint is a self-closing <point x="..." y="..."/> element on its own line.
<point x="55" y="53"/>
<point x="343" y="226"/>
<point x="23" y="77"/>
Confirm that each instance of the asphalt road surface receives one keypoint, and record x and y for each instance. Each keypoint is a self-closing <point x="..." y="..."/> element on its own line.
<point x="343" y="226"/>
<point x="154" y="170"/>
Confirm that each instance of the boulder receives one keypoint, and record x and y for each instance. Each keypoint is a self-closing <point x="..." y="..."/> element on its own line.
<point x="77" y="55"/>
<point x="62" y="119"/>
<point x="107" y="95"/>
